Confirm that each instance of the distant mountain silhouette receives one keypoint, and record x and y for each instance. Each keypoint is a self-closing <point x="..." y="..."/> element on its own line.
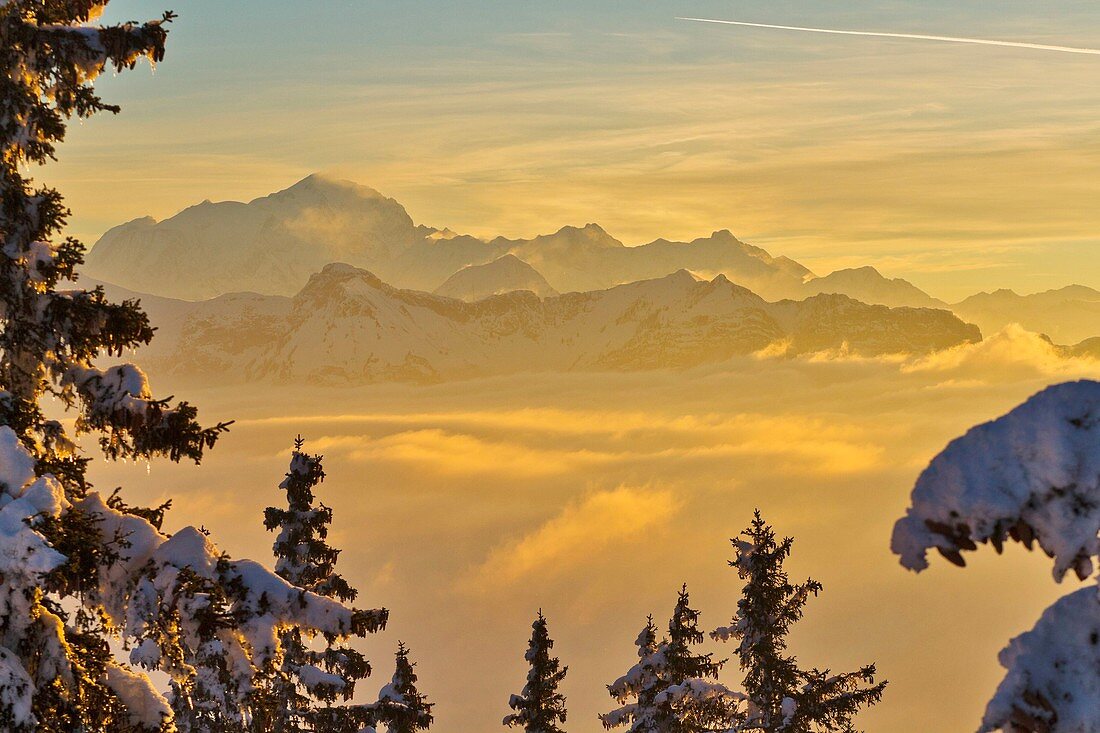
<point x="868" y="285"/>
<point x="1067" y="315"/>
<point x="269" y="245"/>
<point x="503" y="275"/>
<point x="272" y="244"/>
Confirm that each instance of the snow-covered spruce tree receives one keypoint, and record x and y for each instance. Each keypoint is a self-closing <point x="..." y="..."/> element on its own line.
<point x="783" y="698"/>
<point x="642" y="682"/>
<point x="210" y="697"/>
<point x="56" y="670"/>
<point x="675" y="689"/>
<point x="540" y="707"/>
<point x="1031" y="476"/>
<point x="213" y="623"/>
<point x="78" y="570"/>
<point x="401" y="707"/>
<point x="298" y="693"/>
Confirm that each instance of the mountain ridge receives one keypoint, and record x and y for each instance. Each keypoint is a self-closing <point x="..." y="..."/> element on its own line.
<point x="505" y="274"/>
<point x="1068" y="315"/>
<point x="347" y="325"/>
<point x="274" y="243"/>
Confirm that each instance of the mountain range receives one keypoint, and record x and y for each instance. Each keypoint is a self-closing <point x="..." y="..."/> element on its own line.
<point x="348" y="326"/>
<point x="273" y="245"/>
<point x="505" y="274"/>
<point x="1067" y="315"/>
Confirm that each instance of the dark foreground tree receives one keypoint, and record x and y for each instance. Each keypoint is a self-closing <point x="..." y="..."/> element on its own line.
<point x="673" y="687"/>
<point x="79" y="570"/>
<point x="540" y="708"/>
<point x="299" y="692"/>
<point x="782" y="697"/>
<point x="401" y="707"/>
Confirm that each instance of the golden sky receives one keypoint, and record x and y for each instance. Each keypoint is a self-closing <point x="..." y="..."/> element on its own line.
<point x="959" y="167"/>
<point x="466" y="507"/>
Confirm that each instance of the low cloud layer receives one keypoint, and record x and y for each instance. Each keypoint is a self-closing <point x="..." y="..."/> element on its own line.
<point x="563" y="544"/>
<point x="465" y="507"/>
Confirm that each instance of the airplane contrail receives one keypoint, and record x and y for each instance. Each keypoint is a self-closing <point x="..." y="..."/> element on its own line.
<point x="911" y="36"/>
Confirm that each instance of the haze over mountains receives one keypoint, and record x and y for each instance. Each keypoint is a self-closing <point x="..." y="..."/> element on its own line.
<point x="1067" y="315"/>
<point x="505" y="274"/>
<point x="279" y="308"/>
<point x="273" y="244"/>
<point x="348" y="326"/>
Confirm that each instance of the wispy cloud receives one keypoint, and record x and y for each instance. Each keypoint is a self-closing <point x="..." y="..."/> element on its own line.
<point x="580" y="531"/>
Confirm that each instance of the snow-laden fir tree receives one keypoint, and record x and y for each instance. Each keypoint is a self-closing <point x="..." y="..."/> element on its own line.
<point x="674" y="688"/>
<point x="642" y="682"/>
<point x="215" y="624"/>
<point x="56" y="671"/>
<point x="782" y="697"/>
<point x="400" y="706"/>
<point x="79" y="570"/>
<point x="299" y="693"/>
<point x="540" y="708"/>
<point x="1031" y="476"/>
<point x="209" y="697"/>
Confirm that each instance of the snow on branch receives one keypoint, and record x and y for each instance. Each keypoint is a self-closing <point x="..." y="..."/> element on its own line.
<point x="169" y="596"/>
<point x="147" y="708"/>
<point x="1032" y="475"/>
<point x="1053" y="680"/>
<point x="118" y="403"/>
<point x="25" y="560"/>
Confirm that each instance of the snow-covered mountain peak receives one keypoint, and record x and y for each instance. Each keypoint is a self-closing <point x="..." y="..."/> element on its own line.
<point x="269" y="245"/>
<point x="871" y="286"/>
<point x="334" y="276"/>
<point x="347" y="325"/>
<point x="505" y="274"/>
<point x="321" y="186"/>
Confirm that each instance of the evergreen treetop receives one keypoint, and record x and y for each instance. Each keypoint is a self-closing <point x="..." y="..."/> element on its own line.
<point x="782" y="697"/>
<point x="401" y="707"/>
<point x="540" y="708"/>
<point x="303" y="555"/>
<point x="674" y="688"/>
<point x="298" y="694"/>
